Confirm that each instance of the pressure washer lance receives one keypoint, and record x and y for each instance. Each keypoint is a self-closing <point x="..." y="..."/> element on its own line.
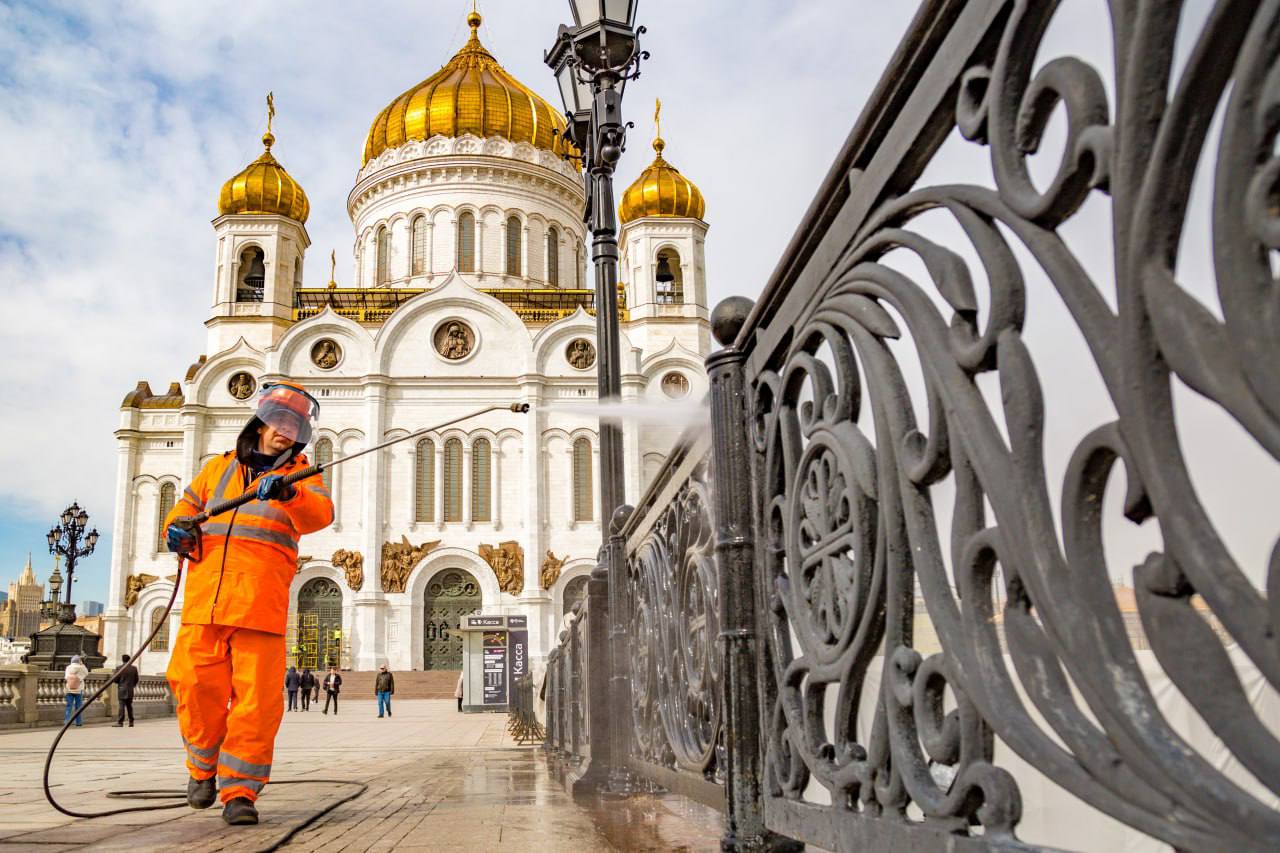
<point x="193" y="523"/>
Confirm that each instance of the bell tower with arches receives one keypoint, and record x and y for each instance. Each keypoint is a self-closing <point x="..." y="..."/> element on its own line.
<point x="662" y="241"/>
<point x="262" y="238"/>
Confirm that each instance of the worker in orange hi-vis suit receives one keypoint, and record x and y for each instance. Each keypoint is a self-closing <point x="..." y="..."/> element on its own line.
<point x="226" y="665"/>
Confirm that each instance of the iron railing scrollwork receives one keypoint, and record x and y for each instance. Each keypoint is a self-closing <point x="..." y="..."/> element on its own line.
<point x="675" y="634"/>
<point x="885" y="485"/>
<point x="846" y="517"/>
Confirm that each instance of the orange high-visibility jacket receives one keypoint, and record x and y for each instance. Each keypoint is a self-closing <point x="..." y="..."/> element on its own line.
<point x="250" y="553"/>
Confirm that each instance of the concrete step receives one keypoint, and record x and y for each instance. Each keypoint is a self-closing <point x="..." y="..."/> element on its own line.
<point x="432" y="684"/>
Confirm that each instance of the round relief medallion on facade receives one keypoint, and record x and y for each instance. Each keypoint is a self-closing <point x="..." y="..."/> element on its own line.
<point x="675" y="385"/>
<point x="581" y="353"/>
<point x="326" y="354"/>
<point x="241" y="386"/>
<point x="454" y="340"/>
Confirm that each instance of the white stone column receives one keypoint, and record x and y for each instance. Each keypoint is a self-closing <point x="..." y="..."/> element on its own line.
<point x="115" y="622"/>
<point x="431" y="248"/>
<point x="437" y="491"/>
<point x="495" y="483"/>
<point x="480" y="247"/>
<point x="524" y="254"/>
<point x="633" y="475"/>
<point x="536" y="601"/>
<point x="467" y="485"/>
<point x="368" y="646"/>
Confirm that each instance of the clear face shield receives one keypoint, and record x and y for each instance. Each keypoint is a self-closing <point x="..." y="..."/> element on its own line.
<point x="288" y="410"/>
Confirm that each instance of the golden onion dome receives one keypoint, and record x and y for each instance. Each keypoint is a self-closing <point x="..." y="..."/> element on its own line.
<point x="661" y="191"/>
<point x="472" y="94"/>
<point x="264" y="187"/>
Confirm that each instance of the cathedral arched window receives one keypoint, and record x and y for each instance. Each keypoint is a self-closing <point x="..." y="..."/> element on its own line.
<point x="481" y="481"/>
<point x="160" y="617"/>
<point x="297" y="272"/>
<point x="577" y="266"/>
<point x="466" y="243"/>
<point x="253" y="276"/>
<point x="324" y="455"/>
<point x="582" y="499"/>
<point x="669" y="278"/>
<point x="168" y="497"/>
<point x="384" y="256"/>
<point x="420" y="246"/>
<point x="513" y="245"/>
<point x="453" y="480"/>
<point x="553" y="256"/>
<point x="424" y="485"/>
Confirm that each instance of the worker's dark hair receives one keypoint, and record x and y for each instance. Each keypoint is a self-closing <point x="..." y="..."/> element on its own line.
<point x="124" y="658"/>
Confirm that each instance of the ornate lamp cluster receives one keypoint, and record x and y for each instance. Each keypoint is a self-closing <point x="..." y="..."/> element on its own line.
<point x="65" y="540"/>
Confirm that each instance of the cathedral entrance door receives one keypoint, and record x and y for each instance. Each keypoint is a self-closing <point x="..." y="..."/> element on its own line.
<point x="319" y="623"/>
<point x="452" y="594"/>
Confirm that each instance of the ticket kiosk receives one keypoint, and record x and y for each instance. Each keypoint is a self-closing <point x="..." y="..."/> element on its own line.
<point x="495" y="654"/>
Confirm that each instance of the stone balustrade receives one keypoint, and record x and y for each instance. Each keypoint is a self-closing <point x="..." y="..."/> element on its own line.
<point x="30" y="697"/>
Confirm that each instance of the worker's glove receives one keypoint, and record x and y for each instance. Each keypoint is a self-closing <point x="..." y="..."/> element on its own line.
<point x="180" y="540"/>
<point x="272" y="488"/>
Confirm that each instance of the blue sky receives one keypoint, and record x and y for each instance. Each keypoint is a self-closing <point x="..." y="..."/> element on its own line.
<point x="120" y="121"/>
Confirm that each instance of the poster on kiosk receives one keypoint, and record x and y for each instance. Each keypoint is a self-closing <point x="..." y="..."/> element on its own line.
<point x="496" y="653"/>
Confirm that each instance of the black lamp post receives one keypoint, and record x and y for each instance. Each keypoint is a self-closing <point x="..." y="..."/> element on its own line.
<point x="64" y="541"/>
<point x="592" y="61"/>
<point x="52" y="647"/>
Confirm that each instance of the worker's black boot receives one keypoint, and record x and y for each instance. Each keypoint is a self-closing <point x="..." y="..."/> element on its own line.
<point x="239" y="812"/>
<point x="201" y="792"/>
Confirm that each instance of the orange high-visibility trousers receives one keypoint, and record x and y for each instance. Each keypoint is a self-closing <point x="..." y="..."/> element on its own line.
<point x="227" y="682"/>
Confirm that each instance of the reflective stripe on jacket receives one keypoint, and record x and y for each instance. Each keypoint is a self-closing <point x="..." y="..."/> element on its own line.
<point x="251" y="553"/>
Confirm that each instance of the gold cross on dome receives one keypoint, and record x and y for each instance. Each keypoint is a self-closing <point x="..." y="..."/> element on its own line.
<point x="271" y="109"/>
<point x="657" y="117"/>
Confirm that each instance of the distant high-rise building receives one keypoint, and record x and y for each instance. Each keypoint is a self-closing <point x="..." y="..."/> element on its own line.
<point x="91" y="608"/>
<point x="20" y="613"/>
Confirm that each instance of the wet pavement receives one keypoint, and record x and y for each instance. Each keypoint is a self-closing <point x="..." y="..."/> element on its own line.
<point x="436" y="780"/>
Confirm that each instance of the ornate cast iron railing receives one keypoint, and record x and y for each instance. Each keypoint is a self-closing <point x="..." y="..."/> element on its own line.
<point x="675" y="675"/>
<point x="857" y="459"/>
<point x="845" y="520"/>
<point x="565" y="694"/>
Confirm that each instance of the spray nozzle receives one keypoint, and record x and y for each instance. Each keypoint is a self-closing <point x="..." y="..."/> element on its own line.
<point x="520" y="407"/>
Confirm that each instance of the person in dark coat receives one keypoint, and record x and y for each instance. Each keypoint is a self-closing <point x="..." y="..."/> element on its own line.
<point x="291" y="683"/>
<point x="308" y="684"/>
<point x="125" y="685"/>
<point x="383" y="686"/>
<point x="332" y="686"/>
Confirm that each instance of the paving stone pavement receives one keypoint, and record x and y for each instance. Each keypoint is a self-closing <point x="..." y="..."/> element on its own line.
<point x="437" y="780"/>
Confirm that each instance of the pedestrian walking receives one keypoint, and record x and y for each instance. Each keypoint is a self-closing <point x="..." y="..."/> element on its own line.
<point x="383" y="686"/>
<point x="332" y="686"/>
<point x="230" y="652"/>
<point x="125" y="683"/>
<point x="74" y="677"/>
<point x="292" y="681"/>
<point x="307" y="684"/>
<point x="457" y="693"/>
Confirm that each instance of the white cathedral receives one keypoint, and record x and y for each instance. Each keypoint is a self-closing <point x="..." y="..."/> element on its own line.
<point x="472" y="288"/>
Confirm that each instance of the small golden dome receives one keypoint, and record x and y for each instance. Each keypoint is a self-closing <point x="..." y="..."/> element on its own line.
<point x="473" y="94"/>
<point x="264" y="187"/>
<point x="661" y="191"/>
